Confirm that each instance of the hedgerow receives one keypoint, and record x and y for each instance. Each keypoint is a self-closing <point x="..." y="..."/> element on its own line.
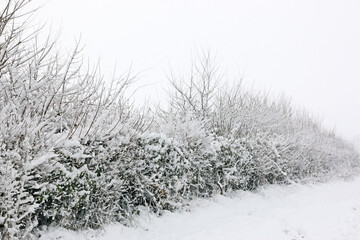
<point x="75" y="153"/>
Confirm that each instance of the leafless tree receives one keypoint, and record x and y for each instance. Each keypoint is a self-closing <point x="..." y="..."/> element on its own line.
<point x="47" y="99"/>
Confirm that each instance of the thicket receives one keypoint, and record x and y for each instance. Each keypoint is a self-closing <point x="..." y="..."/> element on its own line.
<point x="75" y="153"/>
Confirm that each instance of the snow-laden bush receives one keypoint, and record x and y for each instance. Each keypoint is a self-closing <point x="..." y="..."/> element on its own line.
<point x="46" y="103"/>
<point x="282" y="143"/>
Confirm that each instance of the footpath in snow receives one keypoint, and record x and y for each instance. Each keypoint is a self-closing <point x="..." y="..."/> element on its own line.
<point x="328" y="211"/>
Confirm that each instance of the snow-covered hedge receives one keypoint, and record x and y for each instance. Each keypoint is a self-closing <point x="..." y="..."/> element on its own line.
<point x="75" y="153"/>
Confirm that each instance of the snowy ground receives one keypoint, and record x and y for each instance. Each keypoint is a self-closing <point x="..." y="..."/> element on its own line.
<point x="322" y="211"/>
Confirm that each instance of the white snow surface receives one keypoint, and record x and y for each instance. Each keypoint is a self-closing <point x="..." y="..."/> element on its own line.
<point x="329" y="211"/>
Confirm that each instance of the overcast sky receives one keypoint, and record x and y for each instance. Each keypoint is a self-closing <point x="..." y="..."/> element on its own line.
<point x="309" y="50"/>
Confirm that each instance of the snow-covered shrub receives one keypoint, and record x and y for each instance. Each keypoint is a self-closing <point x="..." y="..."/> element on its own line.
<point x="70" y="184"/>
<point x="282" y="144"/>
<point x="47" y="102"/>
<point x="160" y="171"/>
<point x="17" y="202"/>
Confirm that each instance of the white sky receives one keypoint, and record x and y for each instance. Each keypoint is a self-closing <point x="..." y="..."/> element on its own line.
<point x="309" y="50"/>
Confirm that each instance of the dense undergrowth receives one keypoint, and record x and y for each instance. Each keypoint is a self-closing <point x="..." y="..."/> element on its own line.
<point x="75" y="153"/>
